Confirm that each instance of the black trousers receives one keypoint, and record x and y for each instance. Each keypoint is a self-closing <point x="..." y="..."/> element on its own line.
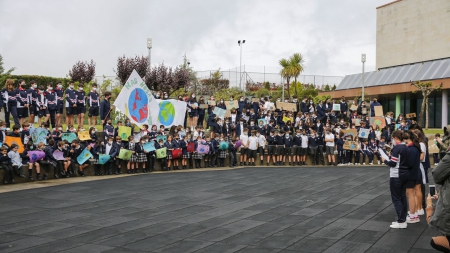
<point x="9" y="172"/>
<point x="52" y="117"/>
<point x="109" y="166"/>
<point x="13" y="110"/>
<point x="7" y="113"/>
<point x="398" y="195"/>
<point x="233" y="158"/>
<point x="314" y="155"/>
<point x="200" y="120"/>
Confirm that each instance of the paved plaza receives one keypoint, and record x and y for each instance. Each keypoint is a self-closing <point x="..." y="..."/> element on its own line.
<point x="305" y="209"/>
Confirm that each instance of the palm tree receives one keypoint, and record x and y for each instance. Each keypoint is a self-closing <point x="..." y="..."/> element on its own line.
<point x="296" y="62"/>
<point x="286" y="72"/>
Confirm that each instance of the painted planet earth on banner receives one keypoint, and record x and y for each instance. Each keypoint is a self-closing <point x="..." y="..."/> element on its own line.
<point x="137" y="105"/>
<point x="166" y="113"/>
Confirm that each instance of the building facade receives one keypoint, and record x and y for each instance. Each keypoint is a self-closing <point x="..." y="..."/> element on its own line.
<point x="412" y="31"/>
<point x="413" y="44"/>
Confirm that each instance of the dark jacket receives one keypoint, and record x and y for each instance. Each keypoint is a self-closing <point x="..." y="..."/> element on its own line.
<point x="105" y="107"/>
<point x="440" y="218"/>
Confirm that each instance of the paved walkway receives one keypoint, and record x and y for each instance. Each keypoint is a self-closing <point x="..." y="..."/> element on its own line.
<point x="315" y="209"/>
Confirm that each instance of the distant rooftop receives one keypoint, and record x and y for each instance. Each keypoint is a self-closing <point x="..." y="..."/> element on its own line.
<point x="420" y="71"/>
<point x="384" y="5"/>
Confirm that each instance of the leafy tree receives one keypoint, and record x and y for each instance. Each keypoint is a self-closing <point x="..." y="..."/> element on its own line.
<point x="225" y="94"/>
<point x="267" y="85"/>
<point x="291" y="68"/>
<point x="82" y="72"/>
<point x="426" y="88"/>
<point x="327" y="88"/>
<point x="297" y="66"/>
<point x="216" y="82"/>
<point x="334" y="87"/>
<point x="166" y="79"/>
<point x="125" y="67"/>
<point x="2" y="69"/>
<point x="286" y="73"/>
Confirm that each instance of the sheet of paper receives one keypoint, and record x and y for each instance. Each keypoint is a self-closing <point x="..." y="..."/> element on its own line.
<point x="385" y="157"/>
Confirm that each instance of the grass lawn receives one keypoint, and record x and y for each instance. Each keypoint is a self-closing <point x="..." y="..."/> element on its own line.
<point x="434" y="131"/>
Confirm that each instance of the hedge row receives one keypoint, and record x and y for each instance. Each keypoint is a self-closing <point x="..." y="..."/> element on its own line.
<point x="41" y="80"/>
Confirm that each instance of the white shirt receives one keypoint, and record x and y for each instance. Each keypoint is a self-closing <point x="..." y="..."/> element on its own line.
<point x="269" y="106"/>
<point x="329" y="136"/>
<point x="252" y="142"/>
<point x="261" y="141"/>
<point x="108" y="148"/>
<point x="244" y="139"/>
<point x="304" y="141"/>
<point x="15" y="158"/>
<point x="233" y="118"/>
<point x="423" y="149"/>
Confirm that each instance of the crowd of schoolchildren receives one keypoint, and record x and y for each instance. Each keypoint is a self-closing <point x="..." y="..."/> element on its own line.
<point x="256" y="128"/>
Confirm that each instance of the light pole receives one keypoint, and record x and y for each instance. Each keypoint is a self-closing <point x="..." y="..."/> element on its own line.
<point x="149" y="46"/>
<point x="363" y="60"/>
<point x="240" y="63"/>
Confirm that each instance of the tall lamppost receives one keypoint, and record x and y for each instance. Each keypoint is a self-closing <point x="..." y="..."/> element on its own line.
<point x="149" y="46"/>
<point x="241" y="44"/>
<point x="363" y="60"/>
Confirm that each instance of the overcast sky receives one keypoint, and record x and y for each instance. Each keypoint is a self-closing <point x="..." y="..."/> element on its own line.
<point x="47" y="37"/>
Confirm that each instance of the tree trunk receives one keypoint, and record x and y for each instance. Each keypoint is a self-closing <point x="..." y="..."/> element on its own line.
<point x="422" y="109"/>
<point x="295" y="86"/>
<point x="426" y="113"/>
<point x="288" y="89"/>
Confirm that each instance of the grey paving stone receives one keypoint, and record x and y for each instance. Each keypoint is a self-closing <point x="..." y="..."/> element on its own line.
<point x="363" y="236"/>
<point x="221" y="247"/>
<point x="215" y="235"/>
<point x="88" y="248"/>
<point x="344" y="247"/>
<point x="55" y="246"/>
<point x="152" y="243"/>
<point x="298" y="209"/>
<point x="184" y="246"/>
<point x="311" y="244"/>
<point x="24" y="243"/>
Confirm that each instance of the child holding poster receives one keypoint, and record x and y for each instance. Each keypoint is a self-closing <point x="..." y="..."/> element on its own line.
<point x="141" y="154"/>
<point x="131" y="163"/>
<point x="99" y="148"/>
<point x="77" y="149"/>
<point x="62" y="165"/>
<point x="162" y="161"/>
<point x="93" y="136"/>
<point x="26" y="160"/>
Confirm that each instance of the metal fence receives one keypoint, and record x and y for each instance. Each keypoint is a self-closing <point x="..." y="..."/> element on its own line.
<point x="239" y="76"/>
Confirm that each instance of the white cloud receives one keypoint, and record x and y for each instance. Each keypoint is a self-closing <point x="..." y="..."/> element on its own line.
<point x="48" y="37"/>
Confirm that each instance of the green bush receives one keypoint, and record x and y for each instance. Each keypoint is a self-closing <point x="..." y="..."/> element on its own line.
<point x="41" y="80"/>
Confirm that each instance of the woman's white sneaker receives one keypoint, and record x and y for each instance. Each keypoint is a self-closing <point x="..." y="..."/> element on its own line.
<point x="421" y="212"/>
<point x="412" y="220"/>
<point x="399" y="225"/>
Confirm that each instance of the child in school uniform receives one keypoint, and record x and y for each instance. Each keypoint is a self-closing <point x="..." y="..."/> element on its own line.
<point x="197" y="156"/>
<point x="252" y="147"/>
<point x="63" y="165"/>
<point x="297" y="147"/>
<point x="348" y="153"/>
<point x="209" y="156"/>
<point x="271" y="148"/>
<point x="381" y="146"/>
<point x="99" y="148"/>
<point x="340" y="149"/>
<point x="6" y="164"/>
<point x="288" y="143"/>
<point x="365" y="151"/>
<point x="170" y="145"/>
<point x="186" y="155"/>
<point x="93" y="136"/>
<point x="232" y="149"/>
<point x="141" y="155"/>
<point x="215" y="145"/>
<point x="280" y="146"/>
<point x="163" y="160"/>
<point x="261" y="146"/>
<point x="26" y="160"/>
<point x="119" y="161"/>
<point x="222" y="153"/>
<point x="244" y="148"/>
<point x="16" y="160"/>
<point x="176" y="161"/>
<point x="372" y="147"/>
<point x="77" y="149"/>
<point x="131" y="163"/>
